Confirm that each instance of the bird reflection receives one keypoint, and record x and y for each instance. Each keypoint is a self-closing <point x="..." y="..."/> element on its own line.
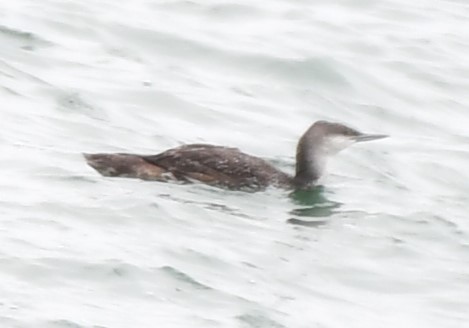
<point x="312" y="204"/>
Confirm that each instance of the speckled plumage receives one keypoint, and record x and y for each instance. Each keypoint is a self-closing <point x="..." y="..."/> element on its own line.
<point x="229" y="167"/>
<point x="214" y="165"/>
<point x="217" y="165"/>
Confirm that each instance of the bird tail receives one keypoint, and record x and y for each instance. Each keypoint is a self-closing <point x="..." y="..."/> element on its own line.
<point x="124" y="165"/>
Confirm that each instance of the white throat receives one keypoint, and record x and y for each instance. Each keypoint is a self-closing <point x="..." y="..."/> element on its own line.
<point x="334" y="144"/>
<point x="331" y="146"/>
<point x="312" y="156"/>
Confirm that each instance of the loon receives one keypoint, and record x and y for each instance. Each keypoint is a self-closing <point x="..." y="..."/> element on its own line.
<point x="229" y="168"/>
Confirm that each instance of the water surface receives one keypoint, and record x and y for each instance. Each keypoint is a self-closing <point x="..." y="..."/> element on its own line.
<point x="383" y="244"/>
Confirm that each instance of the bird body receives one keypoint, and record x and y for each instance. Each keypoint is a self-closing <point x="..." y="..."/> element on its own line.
<point x="230" y="168"/>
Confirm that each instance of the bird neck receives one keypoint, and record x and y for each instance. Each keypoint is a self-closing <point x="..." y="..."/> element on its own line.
<point x="310" y="163"/>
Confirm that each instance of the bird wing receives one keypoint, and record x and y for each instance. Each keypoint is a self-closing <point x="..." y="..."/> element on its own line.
<point x="216" y="165"/>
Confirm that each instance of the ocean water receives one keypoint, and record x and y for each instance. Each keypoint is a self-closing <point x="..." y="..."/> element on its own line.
<point x="384" y="242"/>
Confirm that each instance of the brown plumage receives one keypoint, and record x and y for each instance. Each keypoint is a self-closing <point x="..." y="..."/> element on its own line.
<point x="229" y="167"/>
<point x="214" y="165"/>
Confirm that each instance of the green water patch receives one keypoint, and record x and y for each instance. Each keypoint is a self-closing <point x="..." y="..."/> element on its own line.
<point x="312" y="204"/>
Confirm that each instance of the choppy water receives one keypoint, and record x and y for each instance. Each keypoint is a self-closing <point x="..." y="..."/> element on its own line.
<point x="383" y="244"/>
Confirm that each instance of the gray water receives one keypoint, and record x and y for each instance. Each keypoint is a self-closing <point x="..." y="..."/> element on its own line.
<point x="383" y="244"/>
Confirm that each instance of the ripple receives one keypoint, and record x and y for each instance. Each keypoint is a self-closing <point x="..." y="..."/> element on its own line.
<point x="64" y="324"/>
<point x="81" y="250"/>
<point x="258" y="321"/>
<point x="183" y="277"/>
<point x="26" y="40"/>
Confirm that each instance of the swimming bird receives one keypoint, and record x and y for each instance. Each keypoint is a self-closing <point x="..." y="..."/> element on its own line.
<point x="230" y="168"/>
